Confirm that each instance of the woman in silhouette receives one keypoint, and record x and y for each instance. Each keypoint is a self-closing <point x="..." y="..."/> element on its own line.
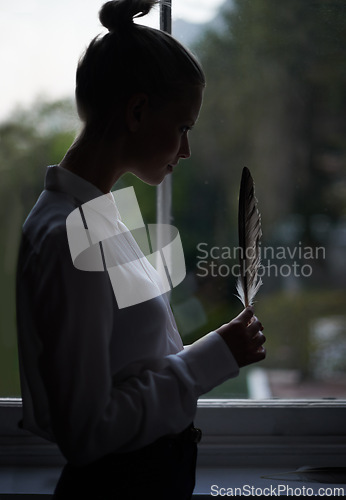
<point x="112" y="385"/>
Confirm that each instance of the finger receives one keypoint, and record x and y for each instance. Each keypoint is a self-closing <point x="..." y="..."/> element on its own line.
<point x="258" y="339"/>
<point x="261" y="352"/>
<point x="252" y="321"/>
<point x="246" y="315"/>
<point x="258" y="355"/>
<point x="254" y="341"/>
<point x="255" y="327"/>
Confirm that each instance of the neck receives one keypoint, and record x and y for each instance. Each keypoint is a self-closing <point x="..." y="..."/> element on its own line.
<point x="95" y="161"/>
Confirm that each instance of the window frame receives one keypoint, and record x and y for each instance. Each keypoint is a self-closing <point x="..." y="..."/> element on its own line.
<point x="242" y="433"/>
<point x="235" y="432"/>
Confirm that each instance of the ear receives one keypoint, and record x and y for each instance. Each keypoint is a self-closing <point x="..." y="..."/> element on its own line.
<point x="135" y="110"/>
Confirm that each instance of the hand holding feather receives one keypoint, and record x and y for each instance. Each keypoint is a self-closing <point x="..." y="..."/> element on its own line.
<point x="243" y="335"/>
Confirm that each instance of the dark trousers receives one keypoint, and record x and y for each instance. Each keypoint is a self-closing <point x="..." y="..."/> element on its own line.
<point x="162" y="470"/>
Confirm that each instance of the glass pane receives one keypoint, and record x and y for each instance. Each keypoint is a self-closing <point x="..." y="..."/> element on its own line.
<point x="38" y="123"/>
<point x="275" y="101"/>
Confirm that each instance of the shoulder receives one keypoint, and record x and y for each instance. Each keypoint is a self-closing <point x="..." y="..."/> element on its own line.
<point x="44" y="241"/>
<point x="46" y="222"/>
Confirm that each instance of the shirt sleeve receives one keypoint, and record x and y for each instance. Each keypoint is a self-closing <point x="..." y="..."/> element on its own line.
<point x="91" y="412"/>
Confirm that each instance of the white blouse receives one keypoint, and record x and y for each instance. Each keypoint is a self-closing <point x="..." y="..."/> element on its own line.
<point x="97" y="378"/>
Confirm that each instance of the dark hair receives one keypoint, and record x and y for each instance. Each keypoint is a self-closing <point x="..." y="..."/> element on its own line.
<point x="131" y="58"/>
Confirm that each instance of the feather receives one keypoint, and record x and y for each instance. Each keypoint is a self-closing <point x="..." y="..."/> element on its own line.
<point x="250" y="232"/>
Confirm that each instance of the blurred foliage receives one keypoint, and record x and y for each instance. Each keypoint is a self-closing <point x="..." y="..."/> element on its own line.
<point x="289" y="320"/>
<point x="30" y="140"/>
<point x="275" y="101"/>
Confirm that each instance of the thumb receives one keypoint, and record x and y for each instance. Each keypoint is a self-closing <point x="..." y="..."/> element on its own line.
<point x="246" y="315"/>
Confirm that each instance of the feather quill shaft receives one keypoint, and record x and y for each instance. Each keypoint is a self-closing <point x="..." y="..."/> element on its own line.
<point x="250" y="232"/>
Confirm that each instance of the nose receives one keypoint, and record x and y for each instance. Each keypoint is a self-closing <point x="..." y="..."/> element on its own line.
<point x="184" y="151"/>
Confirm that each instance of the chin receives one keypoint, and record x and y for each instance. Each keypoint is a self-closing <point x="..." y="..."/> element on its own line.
<point x="152" y="180"/>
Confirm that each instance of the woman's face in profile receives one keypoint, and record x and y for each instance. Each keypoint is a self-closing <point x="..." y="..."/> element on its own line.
<point x="161" y="138"/>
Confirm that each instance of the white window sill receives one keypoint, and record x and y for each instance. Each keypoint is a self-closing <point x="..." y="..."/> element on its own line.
<point x="242" y="441"/>
<point x="235" y="432"/>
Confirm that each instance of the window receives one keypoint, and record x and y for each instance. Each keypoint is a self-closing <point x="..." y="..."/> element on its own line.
<point x="275" y="101"/>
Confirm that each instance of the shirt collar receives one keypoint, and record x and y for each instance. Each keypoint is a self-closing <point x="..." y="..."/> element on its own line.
<point x="60" y="179"/>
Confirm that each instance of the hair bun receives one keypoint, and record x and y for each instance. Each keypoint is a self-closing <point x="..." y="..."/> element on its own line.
<point x="117" y="13"/>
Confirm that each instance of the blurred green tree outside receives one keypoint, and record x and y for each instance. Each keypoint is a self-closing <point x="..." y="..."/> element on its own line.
<point x="275" y="101"/>
<point x="29" y="141"/>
